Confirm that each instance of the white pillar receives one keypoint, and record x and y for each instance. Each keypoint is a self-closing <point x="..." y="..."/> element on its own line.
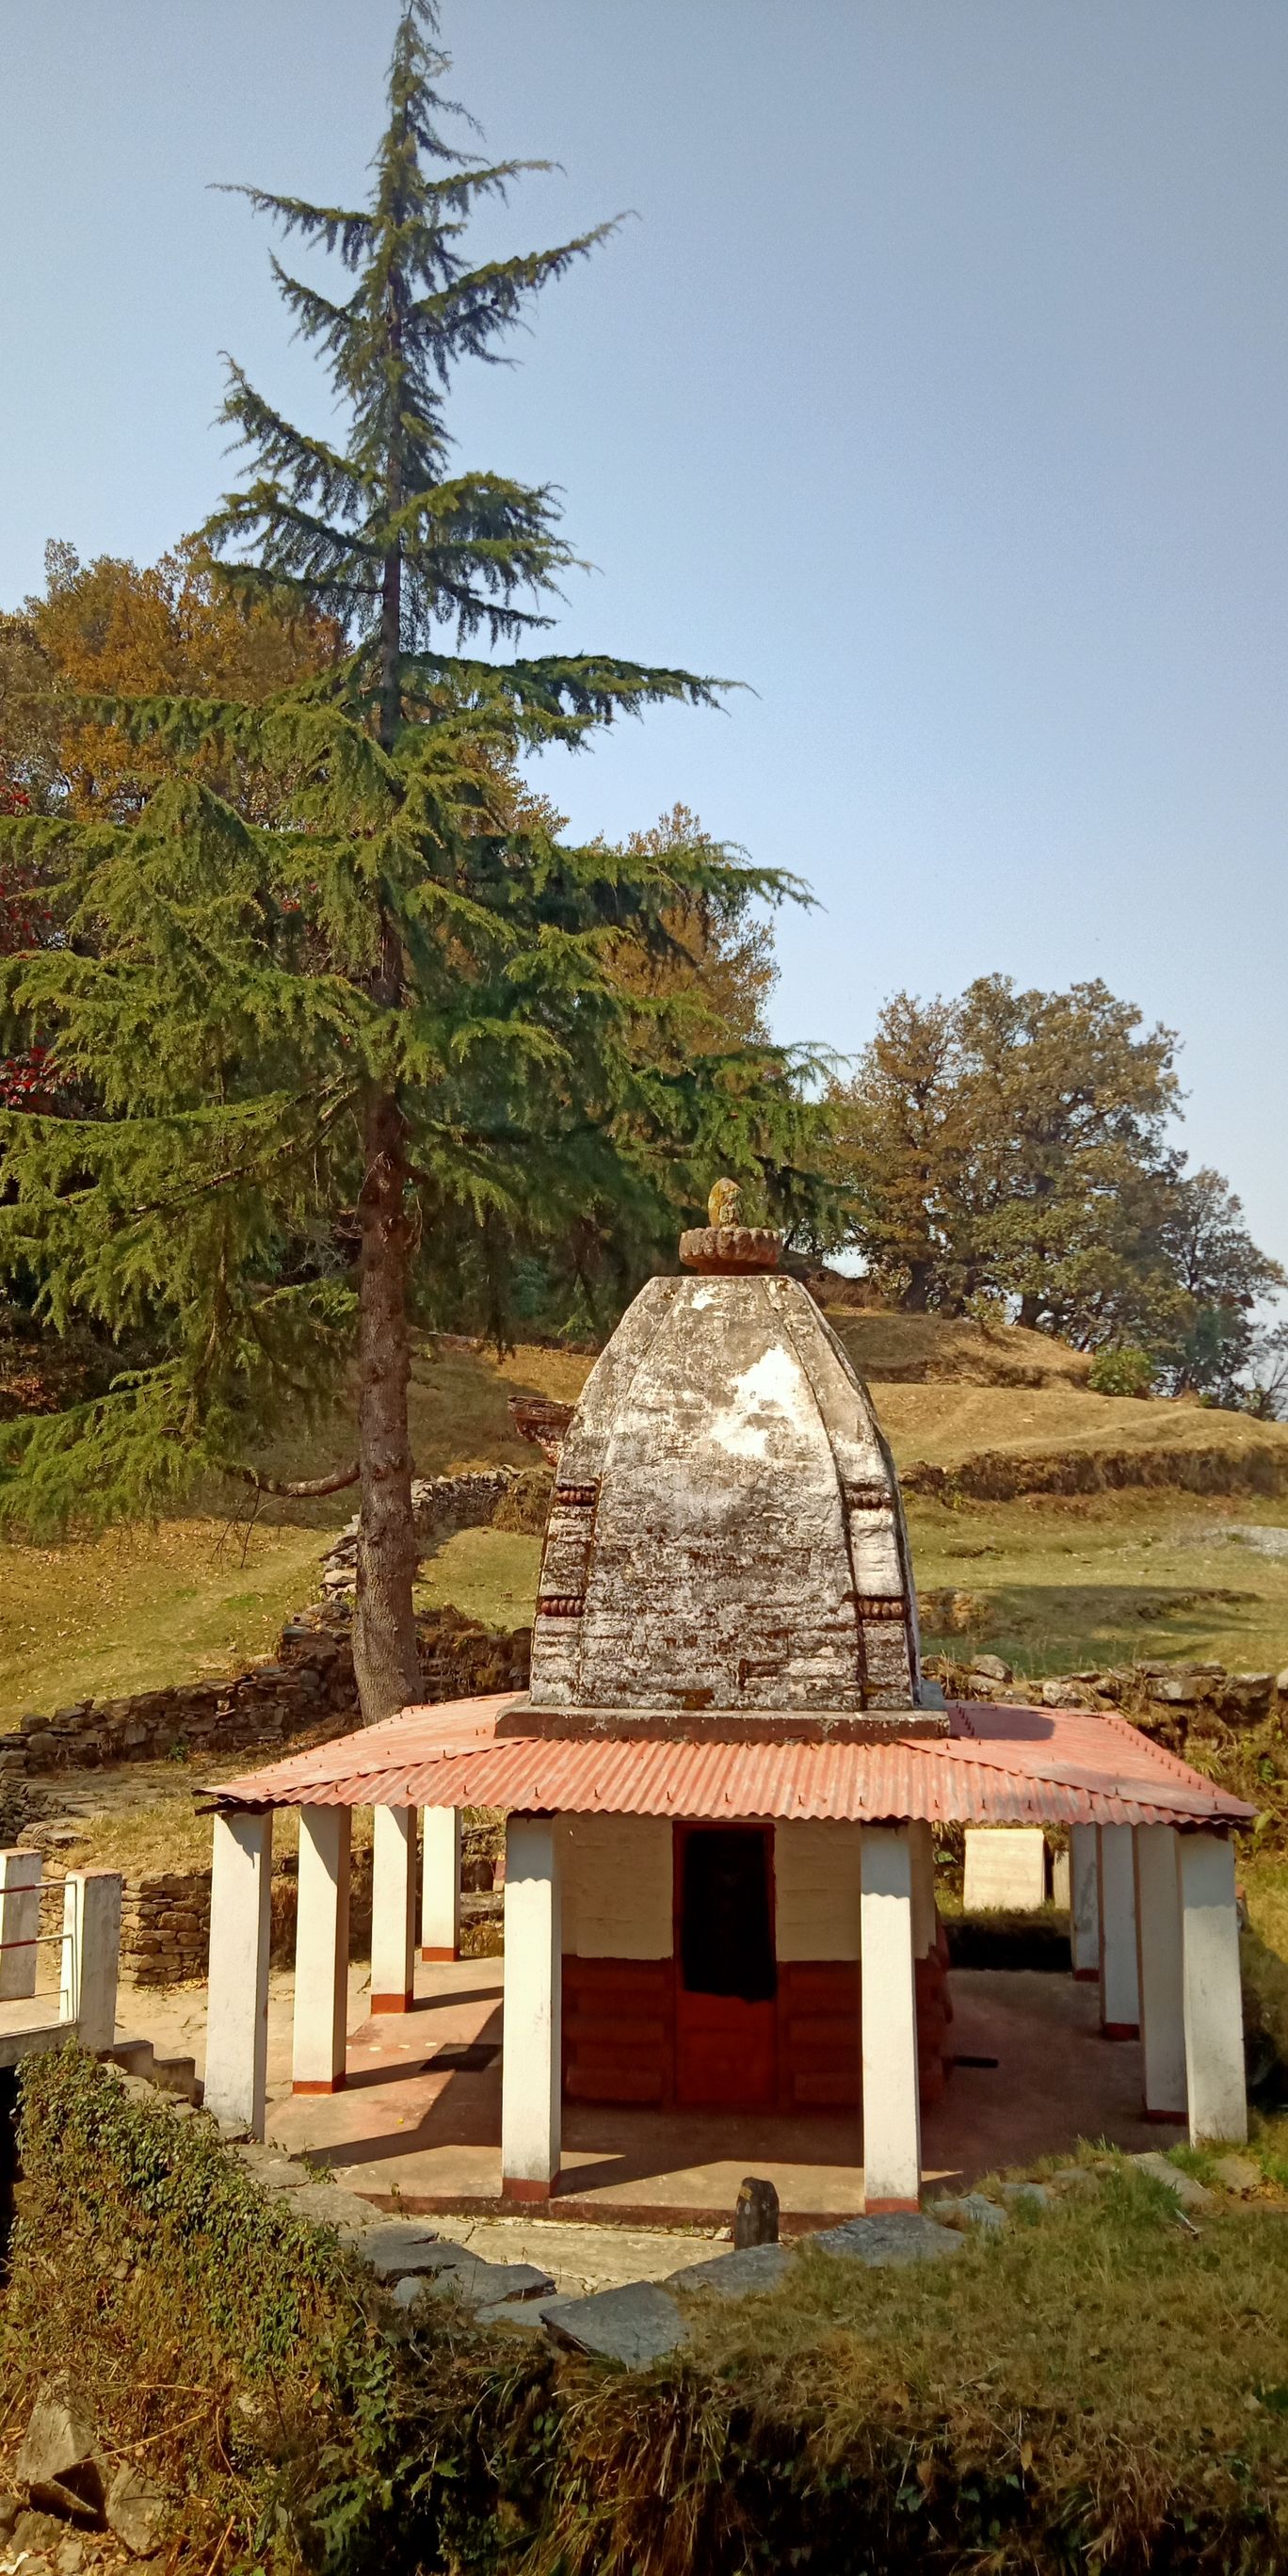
<point x="393" y="1909"/>
<point x="1119" y="1984"/>
<point x="531" y="2071"/>
<point x="19" y="1923"/>
<point x="1084" y="1902"/>
<point x="91" y="1954"/>
<point x="921" y="1843"/>
<point x="1162" y="2000"/>
<point x="321" y="1952"/>
<point x="237" y="2011"/>
<point x="891" y="2114"/>
<point x="440" y="1884"/>
<point x="1213" y="1998"/>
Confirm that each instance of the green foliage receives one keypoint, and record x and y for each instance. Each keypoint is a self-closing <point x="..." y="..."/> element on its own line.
<point x="1015" y="1146"/>
<point x="338" y="1025"/>
<point x="1123" y="1368"/>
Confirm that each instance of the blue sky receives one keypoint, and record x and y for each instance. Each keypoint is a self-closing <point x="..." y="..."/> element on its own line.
<point x="938" y="390"/>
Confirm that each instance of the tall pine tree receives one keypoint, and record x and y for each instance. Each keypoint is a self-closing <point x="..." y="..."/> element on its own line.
<point x="298" y="1058"/>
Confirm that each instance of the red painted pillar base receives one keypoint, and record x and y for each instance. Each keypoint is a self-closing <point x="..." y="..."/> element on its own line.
<point x="1086" y="1976"/>
<point x="392" y="2003"/>
<point x="891" y="2208"/>
<point x="526" y="2190"/>
<point x="1120" y="2030"/>
<point x="1176" y="2119"/>
<point x="323" y="2084"/>
<point x="432" y="1955"/>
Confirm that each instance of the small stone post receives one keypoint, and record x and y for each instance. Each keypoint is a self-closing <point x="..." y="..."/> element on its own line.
<point x="236" y="2088"/>
<point x="19" y="1923"/>
<point x="91" y="1955"/>
<point x="1119" y="1981"/>
<point x="440" y="1884"/>
<point x="1084" y="1902"/>
<point x="321" y="1952"/>
<point x="531" y="2067"/>
<point x="755" y="2214"/>
<point x="1218" y="2098"/>
<point x="891" y="2112"/>
<point x="393" y="1909"/>
<point x="1162" y="2000"/>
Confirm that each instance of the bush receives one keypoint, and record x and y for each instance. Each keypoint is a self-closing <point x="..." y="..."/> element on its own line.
<point x="1125" y="1370"/>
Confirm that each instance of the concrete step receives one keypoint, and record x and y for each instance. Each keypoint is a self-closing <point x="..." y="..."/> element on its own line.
<point x="174" y="2075"/>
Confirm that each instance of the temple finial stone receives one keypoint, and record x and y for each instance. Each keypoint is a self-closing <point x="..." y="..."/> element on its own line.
<point x="722" y="1245"/>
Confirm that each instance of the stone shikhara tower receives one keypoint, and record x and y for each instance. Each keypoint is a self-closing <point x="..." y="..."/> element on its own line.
<point x="726" y="1536"/>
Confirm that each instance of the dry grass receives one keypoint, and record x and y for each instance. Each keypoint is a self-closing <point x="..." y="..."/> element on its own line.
<point x="1055" y="1585"/>
<point x="487" y="1574"/>
<point x="138" y="1609"/>
<point x="939" y="1350"/>
<point x="1099" y="2369"/>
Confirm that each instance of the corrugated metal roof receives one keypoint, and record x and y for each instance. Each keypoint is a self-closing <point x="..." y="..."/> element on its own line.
<point x="998" y="1765"/>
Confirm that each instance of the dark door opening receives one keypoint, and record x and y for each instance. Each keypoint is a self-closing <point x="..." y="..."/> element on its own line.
<point x="727" y="1977"/>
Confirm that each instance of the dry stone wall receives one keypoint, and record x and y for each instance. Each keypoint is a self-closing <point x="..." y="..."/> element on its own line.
<point x="307" y="1689"/>
<point x="1197" y="1710"/>
<point x="165" y="1922"/>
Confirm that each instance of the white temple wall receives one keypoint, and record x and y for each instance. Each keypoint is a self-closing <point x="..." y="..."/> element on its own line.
<point x="816" y="1882"/>
<point x="617" y="1895"/>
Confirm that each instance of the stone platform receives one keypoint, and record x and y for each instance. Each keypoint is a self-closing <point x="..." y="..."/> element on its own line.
<point x="421" y="2115"/>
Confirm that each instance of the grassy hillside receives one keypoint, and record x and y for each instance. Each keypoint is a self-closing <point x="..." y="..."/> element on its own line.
<point x="1055" y="1579"/>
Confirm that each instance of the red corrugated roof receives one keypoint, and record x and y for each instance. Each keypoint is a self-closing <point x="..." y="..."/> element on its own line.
<point x="998" y="1765"/>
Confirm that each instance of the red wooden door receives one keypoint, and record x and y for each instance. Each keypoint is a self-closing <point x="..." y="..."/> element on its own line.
<point x="726" y="1977"/>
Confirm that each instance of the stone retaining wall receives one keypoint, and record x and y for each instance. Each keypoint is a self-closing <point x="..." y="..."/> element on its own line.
<point x="306" y="1689"/>
<point x="165" y="1922"/>
<point x="1191" y="1708"/>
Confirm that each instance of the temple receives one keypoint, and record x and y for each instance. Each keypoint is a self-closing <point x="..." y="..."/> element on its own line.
<point x="723" y="1785"/>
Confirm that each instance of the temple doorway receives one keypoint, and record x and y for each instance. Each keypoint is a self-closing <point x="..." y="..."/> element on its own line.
<point x="726" y="1972"/>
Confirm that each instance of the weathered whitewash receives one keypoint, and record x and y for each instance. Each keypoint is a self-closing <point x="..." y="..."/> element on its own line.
<point x="726" y="1531"/>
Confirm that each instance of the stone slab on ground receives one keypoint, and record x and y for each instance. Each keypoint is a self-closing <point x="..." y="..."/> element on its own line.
<point x="479" y="2283"/>
<point x="326" y="2204"/>
<point x="528" y="2314"/>
<point x="740" y="2275"/>
<point x="1024" y="2195"/>
<point x="58" y="2462"/>
<point x="971" y="2209"/>
<point x="1184" y="2187"/>
<point x="903" y="2236"/>
<point x="136" y="2512"/>
<point x="635" y="2326"/>
<point x="398" y="2246"/>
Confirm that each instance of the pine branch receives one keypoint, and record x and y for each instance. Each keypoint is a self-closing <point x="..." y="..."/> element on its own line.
<point x="341" y="228"/>
<point x="305" y="1489"/>
<point x="460" y="318"/>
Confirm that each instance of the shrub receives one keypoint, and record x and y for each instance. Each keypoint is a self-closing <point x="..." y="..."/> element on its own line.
<point x="1124" y="1370"/>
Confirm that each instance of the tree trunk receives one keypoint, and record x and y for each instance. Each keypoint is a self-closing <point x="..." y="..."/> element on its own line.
<point x="1030" y="1309"/>
<point x="916" y="1295"/>
<point x="385" y="1655"/>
